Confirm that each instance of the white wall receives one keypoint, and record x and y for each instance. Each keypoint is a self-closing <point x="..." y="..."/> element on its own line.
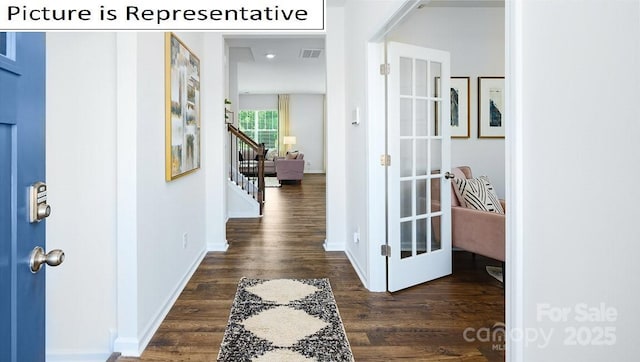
<point x="120" y="224"/>
<point x="231" y="77"/>
<point x="335" y="129"/>
<point x="579" y="148"/>
<point x="81" y="168"/>
<point x="365" y="19"/>
<point x="215" y="139"/>
<point x="306" y="122"/>
<point x="167" y="210"/>
<point x="258" y="101"/>
<point x="307" y="77"/>
<point x="475" y="39"/>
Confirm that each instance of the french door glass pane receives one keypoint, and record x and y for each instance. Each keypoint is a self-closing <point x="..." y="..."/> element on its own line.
<point x="422" y="153"/>
<point x="435" y="206"/>
<point x="436" y="244"/>
<point x="435" y="125"/>
<point x="436" y="154"/>
<point x="406" y="195"/>
<point x="421" y="197"/>
<point x="406" y="76"/>
<point x="422" y="122"/>
<point x="406" y="117"/>
<point x="436" y="73"/>
<point x="406" y="239"/>
<point x="406" y="158"/>
<point x="422" y="236"/>
<point x="421" y="78"/>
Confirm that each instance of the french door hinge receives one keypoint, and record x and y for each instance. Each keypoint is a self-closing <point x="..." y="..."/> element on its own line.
<point x="385" y="250"/>
<point x="385" y="69"/>
<point x="385" y="160"/>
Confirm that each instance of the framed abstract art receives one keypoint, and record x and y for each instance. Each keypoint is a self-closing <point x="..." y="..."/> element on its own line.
<point x="182" y="109"/>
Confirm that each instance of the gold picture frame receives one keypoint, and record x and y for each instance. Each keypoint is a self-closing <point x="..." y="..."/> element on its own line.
<point x="182" y="109"/>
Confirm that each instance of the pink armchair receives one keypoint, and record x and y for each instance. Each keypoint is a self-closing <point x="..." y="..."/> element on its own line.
<point x="480" y="232"/>
<point x="288" y="169"/>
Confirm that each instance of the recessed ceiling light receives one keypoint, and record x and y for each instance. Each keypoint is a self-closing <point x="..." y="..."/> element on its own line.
<point x="270" y="55"/>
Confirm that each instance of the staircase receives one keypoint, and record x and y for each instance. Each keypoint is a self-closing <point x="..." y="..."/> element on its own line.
<point x="246" y="166"/>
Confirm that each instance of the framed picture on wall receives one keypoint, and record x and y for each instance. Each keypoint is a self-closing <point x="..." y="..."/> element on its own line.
<point x="460" y="118"/>
<point x="491" y="121"/>
<point x="182" y="109"/>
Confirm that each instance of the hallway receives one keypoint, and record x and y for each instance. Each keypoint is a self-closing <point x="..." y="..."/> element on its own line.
<point x="424" y="323"/>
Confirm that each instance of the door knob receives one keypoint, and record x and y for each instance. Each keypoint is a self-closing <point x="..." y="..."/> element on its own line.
<point x="38" y="257"/>
<point x="448" y="175"/>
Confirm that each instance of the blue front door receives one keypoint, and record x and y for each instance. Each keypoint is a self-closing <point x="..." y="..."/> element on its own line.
<point x="22" y="163"/>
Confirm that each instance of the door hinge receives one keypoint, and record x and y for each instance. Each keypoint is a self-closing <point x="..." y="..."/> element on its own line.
<point x="385" y="160"/>
<point x="385" y="250"/>
<point x="385" y="69"/>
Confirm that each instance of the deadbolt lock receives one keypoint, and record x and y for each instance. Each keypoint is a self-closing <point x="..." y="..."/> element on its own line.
<point x="38" y="202"/>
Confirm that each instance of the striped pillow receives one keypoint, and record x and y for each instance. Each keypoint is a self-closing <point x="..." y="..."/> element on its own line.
<point x="478" y="193"/>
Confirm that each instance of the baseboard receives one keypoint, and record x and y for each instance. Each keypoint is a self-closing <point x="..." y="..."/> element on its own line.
<point x="218" y="246"/>
<point x="134" y="347"/>
<point x="315" y="171"/>
<point x="244" y="215"/>
<point x="356" y="267"/>
<point x="75" y="355"/>
<point x="128" y="347"/>
<point x="333" y="246"/>
<point x="155" y="324"/>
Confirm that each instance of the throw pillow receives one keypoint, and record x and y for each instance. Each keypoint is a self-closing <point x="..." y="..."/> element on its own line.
<point x="478" y="193"/>
<point x="291" y="155"/>
<point x="271" y="155"/>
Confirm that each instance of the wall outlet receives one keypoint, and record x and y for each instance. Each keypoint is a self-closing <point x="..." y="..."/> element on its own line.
<point x="356" y="235"/>
<point x="185" y="240"/>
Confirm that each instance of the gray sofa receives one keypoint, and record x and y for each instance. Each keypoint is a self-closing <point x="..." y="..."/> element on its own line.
<point x="248" y="164"/>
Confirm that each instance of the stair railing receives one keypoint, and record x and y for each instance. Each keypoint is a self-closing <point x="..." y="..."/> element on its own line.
<point x="246" y="167"/>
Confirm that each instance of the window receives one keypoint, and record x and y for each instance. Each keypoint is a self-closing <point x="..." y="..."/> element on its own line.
<point x="3" y="43"/>
<point x="261" y="125"/>
<point x="7" y="45"/>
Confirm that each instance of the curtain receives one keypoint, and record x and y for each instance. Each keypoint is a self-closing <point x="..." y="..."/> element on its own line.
<point x="283" y="121"/>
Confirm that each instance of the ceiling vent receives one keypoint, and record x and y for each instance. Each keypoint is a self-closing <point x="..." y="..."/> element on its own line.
<point x="310" y="53"/>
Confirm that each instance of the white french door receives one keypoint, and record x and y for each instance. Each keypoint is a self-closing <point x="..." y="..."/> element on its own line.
<point x="419" y="146"/>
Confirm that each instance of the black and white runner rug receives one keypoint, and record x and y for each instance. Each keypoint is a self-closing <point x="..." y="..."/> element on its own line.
<point x="284" y="320"/>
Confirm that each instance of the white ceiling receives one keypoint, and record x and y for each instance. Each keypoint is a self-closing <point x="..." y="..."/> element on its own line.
<point x="286" y="49"/>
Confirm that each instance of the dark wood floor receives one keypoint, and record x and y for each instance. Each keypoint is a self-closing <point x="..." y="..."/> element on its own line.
<point x="423" y="323"/>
